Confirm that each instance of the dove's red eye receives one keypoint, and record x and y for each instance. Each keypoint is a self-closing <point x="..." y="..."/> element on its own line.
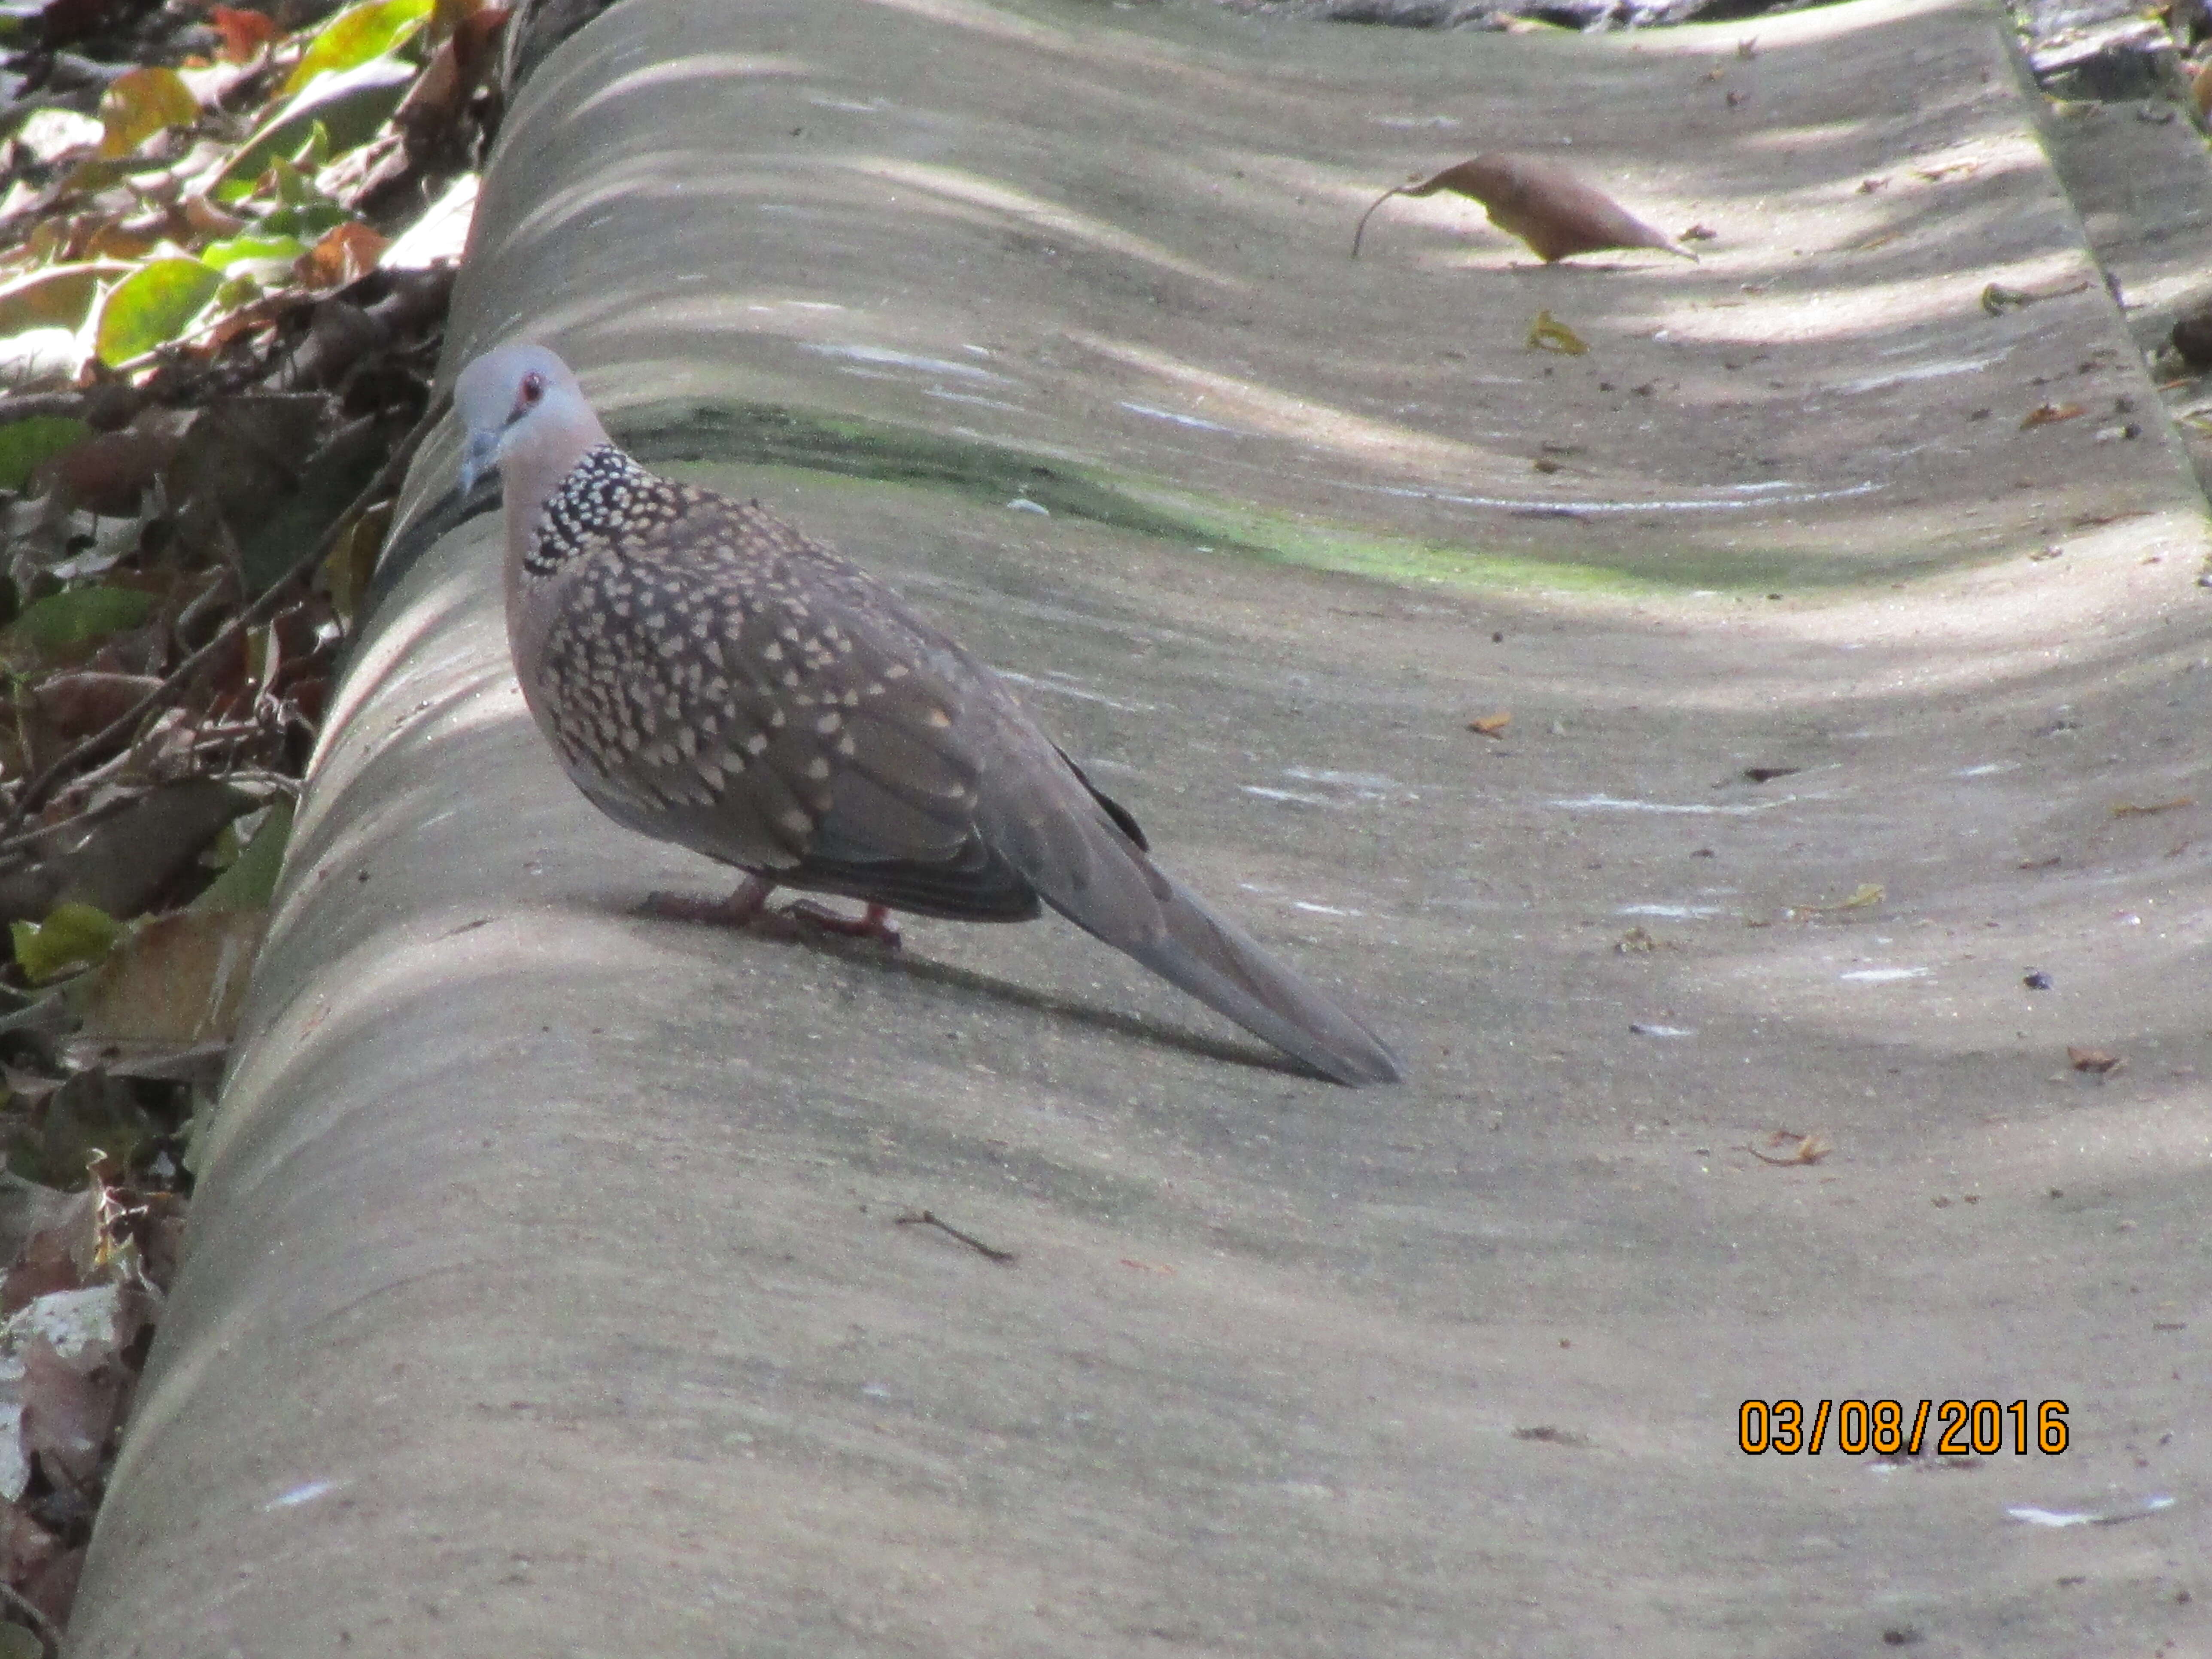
<point x="534" y="387"/>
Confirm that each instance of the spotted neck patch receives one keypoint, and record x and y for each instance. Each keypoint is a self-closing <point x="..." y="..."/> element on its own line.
<point x="605" y="498"/>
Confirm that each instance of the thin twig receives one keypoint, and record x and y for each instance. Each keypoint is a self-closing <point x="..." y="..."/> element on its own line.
<point x="41" y="1625"/>
<point x="924" y="1219"/>
<point x="272" y="598"/>
<point x="44" y="406"/>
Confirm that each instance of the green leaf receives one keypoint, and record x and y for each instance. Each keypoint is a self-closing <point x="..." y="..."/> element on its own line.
<point x="356" y="35"/>
<point x="93" y="1113"/>
<point x="142" y="102"/>
<point x="81" y="614"/>
<point x="153" y="306"/>
<point x="72" y="936"/>
<point x="315" y="153"/>
<point x="351" y="105"/>
<point x="222" y="255"/>
<point x="311" y="221"/>
<point x="25" y="444"/>
<point x="250" y="880"/>
<point x="239" y="287"/>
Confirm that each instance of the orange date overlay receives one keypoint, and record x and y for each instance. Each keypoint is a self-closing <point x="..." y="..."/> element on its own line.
<point x="1982" y="1427"/>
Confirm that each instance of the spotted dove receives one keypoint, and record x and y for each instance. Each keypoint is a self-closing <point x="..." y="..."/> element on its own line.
<point x="710" y="677"/>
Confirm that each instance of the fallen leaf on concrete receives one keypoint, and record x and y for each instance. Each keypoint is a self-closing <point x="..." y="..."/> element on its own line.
<point x="1806" y="1149"/>
<point x="1547" y="333"/>
<point x="2051" y="414"/>
<point x="1997" y="299"/>
<point x="1636" y="942"/>
<point x="2095" y="1061"/>
<point x="1545" y="1434"/>
<point x="1491" y="726"/>
<point x="1768" y="774"/>
<point x="1865" y="894"/>
<point x="1698" y="234"/>
<point x="1540" y="200"/>
<point x="2131" y="810"/>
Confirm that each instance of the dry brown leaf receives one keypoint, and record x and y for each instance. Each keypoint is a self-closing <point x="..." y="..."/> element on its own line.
<point x="1491" y="726"/>
<point x="1637" y="942"/>
<point x="109" y="471"/>
<point x="429" y="118"/>
<point x="1808" y="1149"/>
<point x="244" y="32"/>
<point x="1997" y="299"/>
<point x="52" y="1588"/>
<point x="25" y="1545"/>
<point x="2131" y="811"/>
<point x="70" y="1407"/>
<point x="346" y="254"/>
<point x="2051" y="414"/>
<point x="209" y="220"/>
<point x="2096" y="1062"/>
<point x="1547" y="333"/>
<point x="80" y="704"/>
<point x="1867" y="893"/>
<point x="179" y="980"/>
<point x="46" y="1264"/>
<point x="1540" y="200"/>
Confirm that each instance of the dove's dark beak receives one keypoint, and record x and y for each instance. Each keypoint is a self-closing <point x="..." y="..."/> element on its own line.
<point x="480" y="457"/>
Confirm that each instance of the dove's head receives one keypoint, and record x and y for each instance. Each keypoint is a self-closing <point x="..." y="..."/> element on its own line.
<point x="526" y="415"/>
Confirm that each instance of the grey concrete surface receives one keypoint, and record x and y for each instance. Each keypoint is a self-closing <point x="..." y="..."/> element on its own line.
<point x="546" y="1292"/>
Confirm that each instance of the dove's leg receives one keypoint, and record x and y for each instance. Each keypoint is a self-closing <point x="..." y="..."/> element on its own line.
<point x="741" y="910"/>
<point x="748" y="907"/>
<point x="876" y="925"/>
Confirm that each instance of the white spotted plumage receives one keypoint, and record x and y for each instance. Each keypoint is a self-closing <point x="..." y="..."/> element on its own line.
<point x="710" y="675"/>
